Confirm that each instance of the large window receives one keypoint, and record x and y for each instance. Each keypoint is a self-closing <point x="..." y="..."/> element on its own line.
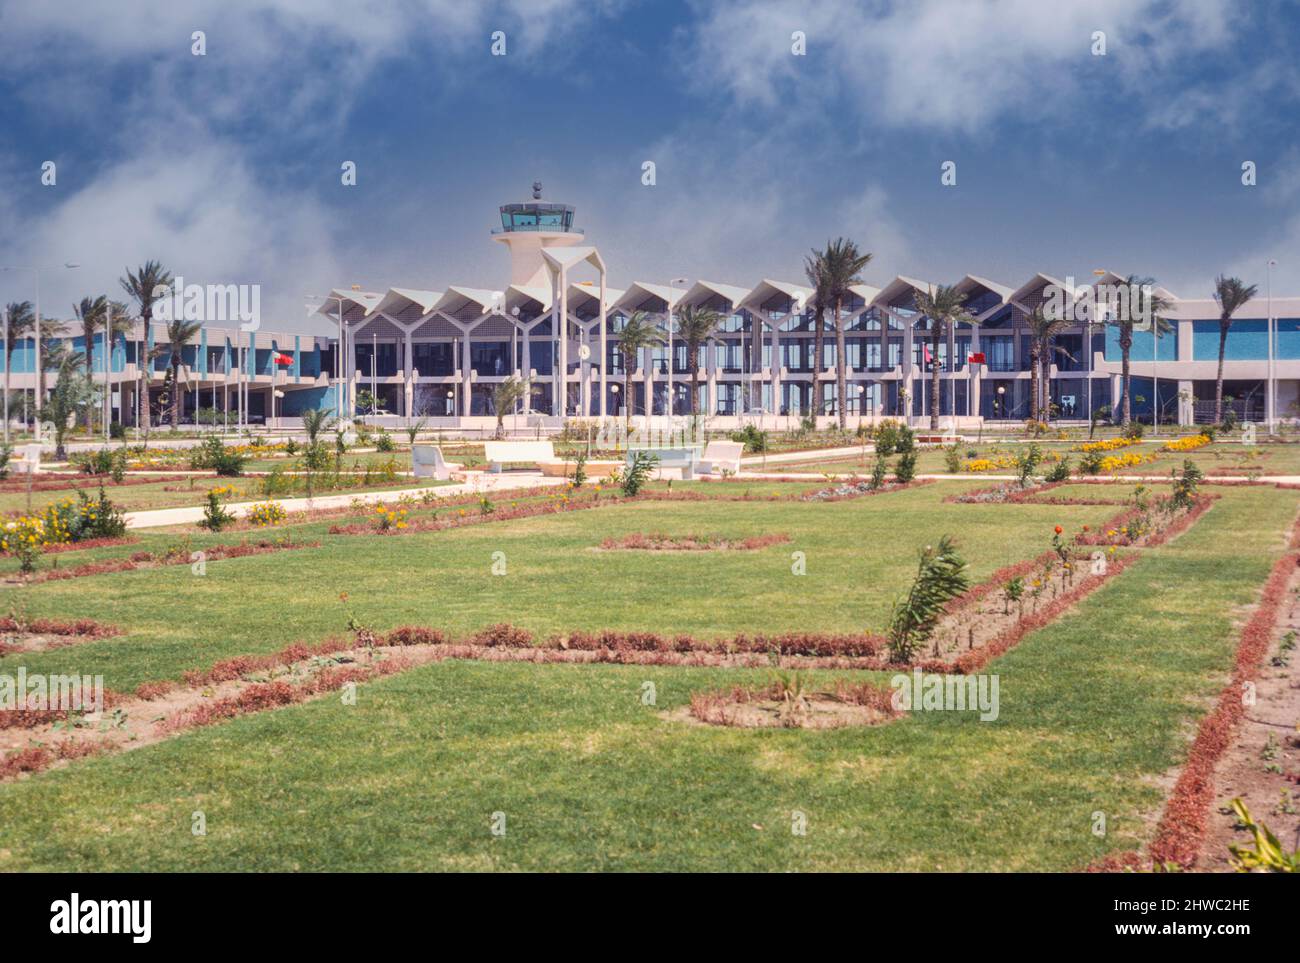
<point x="490" y="358"/>
<point x="384" y="355"/>
<point x="433" y="359"/>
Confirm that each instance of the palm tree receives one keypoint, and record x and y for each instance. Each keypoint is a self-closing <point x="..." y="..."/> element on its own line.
<point x="696" y="326"/>
<point x="314" y="421"/>
<point x="91" y="313"/>
<point x="54" y="350"/>
<point x="1138" y="300"/>
<point x="144" y="286"/>
<point x="22" y="322"/>
<point x="71" y="392"/>
<point x="505" y="396"/>
<point x="639" y="331"/>
<point x="1042" y="329"/>
<point x="814" y="269"/>
<point x="837" y="267"/>
<point x="942" y="307"/>
<point x="179" y="334"/>
<point x="1232" y="294"/>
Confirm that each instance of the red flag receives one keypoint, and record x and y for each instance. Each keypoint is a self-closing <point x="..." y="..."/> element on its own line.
<point x="283" y="360"/>
<point x="977" y="358"/>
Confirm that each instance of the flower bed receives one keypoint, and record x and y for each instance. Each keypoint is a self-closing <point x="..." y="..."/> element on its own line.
<point x="859" y="490"/>
<point x="1187" y="443"/>
<point x="1184" y="823"/>
<point x="147" y="560"/>
<point x="1109" y="444"/>
<point x="76" y="482"/>
<point x="784" y="704"/>
<point x="658" y="542"/>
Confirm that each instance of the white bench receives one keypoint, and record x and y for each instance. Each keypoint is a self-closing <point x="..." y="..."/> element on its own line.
<point x="721" y="456"/>
<point x="427" y="462"/>
<point x="26" y="459"/>
<point x="499" y="453"/>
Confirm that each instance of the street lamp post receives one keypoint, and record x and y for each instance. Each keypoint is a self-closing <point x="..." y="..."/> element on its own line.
<point x="36" y="274"/>
<point x="1272" y="365"/>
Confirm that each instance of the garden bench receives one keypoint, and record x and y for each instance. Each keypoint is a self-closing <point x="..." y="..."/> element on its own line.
<point x="683" y="459"/>
<point x="427" y="462"/>
<point x="499" y="453"/>
<point x="720" y="456"/>
<point x="26" y="459"/>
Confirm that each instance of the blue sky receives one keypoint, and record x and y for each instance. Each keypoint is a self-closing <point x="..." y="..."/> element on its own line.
<point x="226" y="166"/>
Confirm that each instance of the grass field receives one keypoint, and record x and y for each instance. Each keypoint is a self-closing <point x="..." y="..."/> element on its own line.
<point x="1096" y="707"/>
<point x="1214" y="460"/>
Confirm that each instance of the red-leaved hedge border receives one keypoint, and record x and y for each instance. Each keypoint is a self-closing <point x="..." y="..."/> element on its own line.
<point x="563" y="504"/>
<point x="146" y="560"/>
<point x="80" y="482"/>
<point x="660" y="542"/>
<point x="1183" y="826"/>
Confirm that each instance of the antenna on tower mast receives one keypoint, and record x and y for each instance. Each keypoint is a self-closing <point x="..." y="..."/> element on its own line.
<point x="537" y="190"/>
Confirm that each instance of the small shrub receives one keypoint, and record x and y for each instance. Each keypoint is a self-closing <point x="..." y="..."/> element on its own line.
<point x="940" y="578"/>
<point x="952" y="458"/>
<point x="1133" y="431"/>
<point x="1186" y="486"/>
<point x="905" y="471"/>
<point x="213" y="455"/>
<point x="267" y="514"/>
<point x="755" y="441"/>
<point x="638" y="473"/>
<point x="215" y="516"/>
<point x="1059" y="472"/>
<point x="878" y="471"/>
<point x="1090" y="462"/>
<point x="887" y="437"/>
<point x="906" y="439"/>
<point x="384" y="442"/>
<point x="1027" y="461"/>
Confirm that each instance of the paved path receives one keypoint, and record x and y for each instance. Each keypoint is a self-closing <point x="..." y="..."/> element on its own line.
<point x="478" y="482"/>
<point x="980" y="476"/>
<point x="815" y="454"/>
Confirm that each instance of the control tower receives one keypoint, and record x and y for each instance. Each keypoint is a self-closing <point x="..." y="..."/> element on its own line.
<point x="528" y="228"/>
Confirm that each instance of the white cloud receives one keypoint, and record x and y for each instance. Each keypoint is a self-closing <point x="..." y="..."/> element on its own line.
<point x="273" y="60"/>
<point x="943" y="64"/>
<point x="737" y="215"/>
<point x="200" y="210"/>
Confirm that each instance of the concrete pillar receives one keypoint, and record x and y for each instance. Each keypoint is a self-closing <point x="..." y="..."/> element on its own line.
<point x="1186" y="403"/>
<point x="604" y="350"/>
<point x="711" y="379"/>
<point x="776" y="365"/>
<point x="584" y="369"/>
<point x="465" y="373"/>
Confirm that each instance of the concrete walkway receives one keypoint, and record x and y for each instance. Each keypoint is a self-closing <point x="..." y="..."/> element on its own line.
<point x="479" y="482"/>
<point x="815" y="454"/>
<point x="980" y="476"/>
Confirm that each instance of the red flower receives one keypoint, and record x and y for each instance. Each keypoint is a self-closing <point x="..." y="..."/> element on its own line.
<point x="1059" y="529"/>
<point x="1085" y="528"/>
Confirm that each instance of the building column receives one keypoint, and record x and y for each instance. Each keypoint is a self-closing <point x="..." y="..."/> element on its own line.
<point x="711" y="379"/>
<point x="648" y="371"/>
<point x="466" y="376"/>
<point x="584" y="373"/>
<point x="776" y="367"/>
<point x="1186" y="403"/>
<point x="905" y="367"/>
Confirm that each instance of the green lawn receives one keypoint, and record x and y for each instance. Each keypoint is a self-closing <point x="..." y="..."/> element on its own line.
<point x="1094" y="708"/>
<point x="1213" y="460"/>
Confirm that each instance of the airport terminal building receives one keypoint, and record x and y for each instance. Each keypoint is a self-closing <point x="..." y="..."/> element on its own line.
<point x="439" y="352"/>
